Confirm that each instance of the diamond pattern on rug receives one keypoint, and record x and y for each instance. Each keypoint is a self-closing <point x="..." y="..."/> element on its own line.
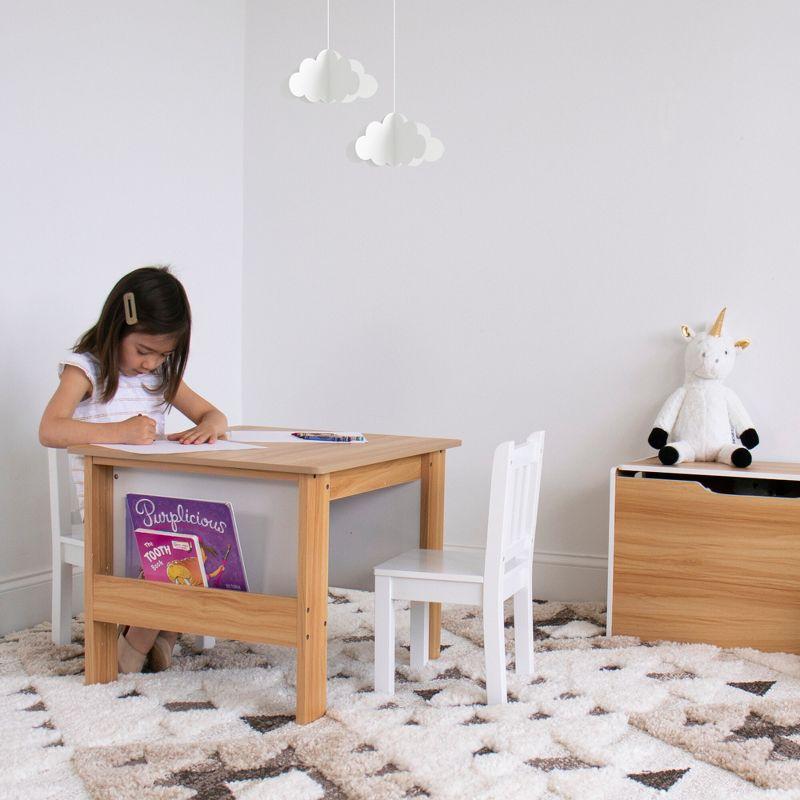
<point x="755" y="742"/>
<point x="189" y="706"/>
<point x="671" y="676"/>
<point x="665" y="779"/>
<point x="602" y="717"/>
<point x="210" y="778"/>
<point x="754" y="687"/>
<point x="562" y="762"/>
<point x="264" y="724"/>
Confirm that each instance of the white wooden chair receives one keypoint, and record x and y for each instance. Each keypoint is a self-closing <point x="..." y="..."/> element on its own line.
<point x="67" y="542"/>
<point x="67" y="546"/>
<point x="486" y="577"/>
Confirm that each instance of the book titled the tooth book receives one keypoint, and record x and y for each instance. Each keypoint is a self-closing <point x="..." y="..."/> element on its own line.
<point x="202" y="531"/>
<point x="171" y="557"/>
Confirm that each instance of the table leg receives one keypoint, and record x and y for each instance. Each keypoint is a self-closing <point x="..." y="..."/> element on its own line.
<point x="100" y="637"/>
<point x="312" y="596"/>
<point x="431" y="529"/>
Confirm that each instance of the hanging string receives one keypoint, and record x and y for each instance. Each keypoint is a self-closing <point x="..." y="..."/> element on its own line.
<point x="394" y="55"/>
<point x="329" y="24"/>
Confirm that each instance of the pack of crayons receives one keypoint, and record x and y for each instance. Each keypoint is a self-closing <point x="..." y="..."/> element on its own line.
<point x="329" y="436"/>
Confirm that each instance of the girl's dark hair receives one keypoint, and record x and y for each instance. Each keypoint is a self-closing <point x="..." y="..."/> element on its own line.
<point x="161" y="308"/>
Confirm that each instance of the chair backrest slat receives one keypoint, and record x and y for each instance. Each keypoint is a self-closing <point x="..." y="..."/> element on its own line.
<point x="63" y="499"/>
<point x="513" y="504"/>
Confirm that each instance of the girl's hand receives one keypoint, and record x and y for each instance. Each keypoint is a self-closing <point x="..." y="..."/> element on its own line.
<point x="201" y="433"/>
<point x="138" y="430"/>
<point x="210" y="424"/>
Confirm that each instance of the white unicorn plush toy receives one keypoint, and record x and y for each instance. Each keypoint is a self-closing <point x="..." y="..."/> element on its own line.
<point x="704" y="420"/>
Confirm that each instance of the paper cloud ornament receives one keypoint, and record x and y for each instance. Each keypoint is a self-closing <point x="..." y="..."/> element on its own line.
<point x="396" y="141"/>
<point x="332" y="78"/>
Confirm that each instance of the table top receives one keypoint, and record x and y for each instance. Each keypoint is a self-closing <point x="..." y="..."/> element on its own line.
<point x="307" y="458"/>
<point x="771" y="470"/>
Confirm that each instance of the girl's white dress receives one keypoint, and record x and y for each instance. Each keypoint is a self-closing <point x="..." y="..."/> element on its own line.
<point x="132" y="397"/>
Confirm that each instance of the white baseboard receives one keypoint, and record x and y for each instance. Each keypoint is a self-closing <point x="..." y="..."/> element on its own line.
<point x="569" y="576"/>
<point x="25" y="599"/>
<point x="566" y="576"/>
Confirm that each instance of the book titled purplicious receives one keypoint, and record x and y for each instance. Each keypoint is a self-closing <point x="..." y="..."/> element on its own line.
<point x="210" y="521"/>
<point x="171" y="557"/>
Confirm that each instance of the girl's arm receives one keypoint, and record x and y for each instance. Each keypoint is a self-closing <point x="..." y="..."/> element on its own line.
<point x="210" y="423"/>
<point x="58" y="429"/>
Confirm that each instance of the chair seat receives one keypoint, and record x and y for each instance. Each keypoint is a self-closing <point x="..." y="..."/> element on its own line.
<point x="447" y="564"/>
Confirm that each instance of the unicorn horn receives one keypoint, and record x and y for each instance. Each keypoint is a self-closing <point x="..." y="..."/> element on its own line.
<point x="716" y="328"/>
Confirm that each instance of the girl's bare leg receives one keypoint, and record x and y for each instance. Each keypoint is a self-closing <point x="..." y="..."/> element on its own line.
<point x="141" y="638"/>
<point x="161" y="654"/>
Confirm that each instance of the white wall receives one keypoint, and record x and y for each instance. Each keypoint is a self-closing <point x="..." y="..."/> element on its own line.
<point x="612" y="170"/>
<point x="120" y="145"/>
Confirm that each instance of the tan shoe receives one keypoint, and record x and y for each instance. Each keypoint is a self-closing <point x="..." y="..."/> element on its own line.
<point x="161" y="654"/>
<point x="129" y="659"/>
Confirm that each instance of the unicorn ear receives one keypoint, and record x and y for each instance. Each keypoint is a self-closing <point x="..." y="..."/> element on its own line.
<point x="687" y="332"/>
<point x="742" y="344"/>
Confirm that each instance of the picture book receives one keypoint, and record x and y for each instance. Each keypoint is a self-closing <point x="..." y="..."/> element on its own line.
<point x="212" y="522"/>
<point x="170" y="557"/>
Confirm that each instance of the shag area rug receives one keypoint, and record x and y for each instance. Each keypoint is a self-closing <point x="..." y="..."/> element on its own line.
<point x="602" y="719"/>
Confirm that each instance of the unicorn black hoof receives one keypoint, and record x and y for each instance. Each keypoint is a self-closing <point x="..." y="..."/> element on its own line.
<point x="669" y="455"/>
<point x="749" y="438"/>
<point x="741" y="457"/>
<point x="657" y="438"/>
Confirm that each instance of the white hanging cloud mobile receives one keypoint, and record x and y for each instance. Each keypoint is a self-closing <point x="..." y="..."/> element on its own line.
<point x="331" y="78"/>
<point x="397" y="140"/>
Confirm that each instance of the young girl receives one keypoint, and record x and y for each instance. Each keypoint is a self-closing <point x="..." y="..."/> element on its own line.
<point x="116" y="385"/>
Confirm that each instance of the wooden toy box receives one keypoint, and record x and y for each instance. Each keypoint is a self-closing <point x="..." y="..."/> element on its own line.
<point x="704" y="552"/>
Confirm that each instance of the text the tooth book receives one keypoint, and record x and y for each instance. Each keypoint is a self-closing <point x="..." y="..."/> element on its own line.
<point x="171" y="557"/>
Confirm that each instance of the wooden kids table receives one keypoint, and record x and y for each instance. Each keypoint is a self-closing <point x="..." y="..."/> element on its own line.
<point x="323" y="473"/>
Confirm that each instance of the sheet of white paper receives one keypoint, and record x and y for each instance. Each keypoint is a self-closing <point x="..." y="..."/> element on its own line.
<point x="165" y="447"/>
<point x="269" y="437"/>
<point x="274" y="437"/>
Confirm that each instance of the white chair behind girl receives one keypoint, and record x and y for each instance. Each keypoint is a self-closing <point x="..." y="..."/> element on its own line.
<point x="67" y="542"/>
<point x="485" y="578"/>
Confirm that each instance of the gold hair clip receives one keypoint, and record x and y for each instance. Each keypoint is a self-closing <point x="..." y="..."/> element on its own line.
<point x="129" y="304"/>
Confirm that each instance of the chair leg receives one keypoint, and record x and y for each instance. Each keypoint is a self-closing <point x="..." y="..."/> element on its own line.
<point x="494" y="649"/>
<point x="62" y="603"/>
<point x="419" y="634"/>
<point x="384" y="635"/>
<point x="523" y="630"/>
